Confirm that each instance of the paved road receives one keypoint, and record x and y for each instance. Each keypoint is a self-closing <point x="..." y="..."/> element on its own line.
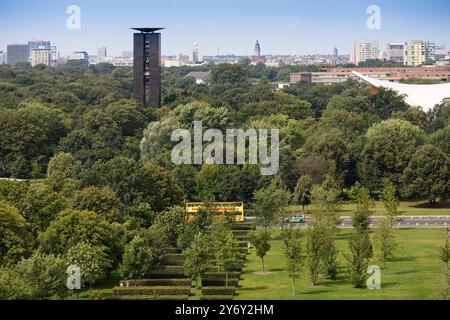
<point x="407" y="223"/>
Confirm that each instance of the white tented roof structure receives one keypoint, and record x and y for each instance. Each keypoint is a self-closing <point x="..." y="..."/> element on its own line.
<point x="425" y="96"/>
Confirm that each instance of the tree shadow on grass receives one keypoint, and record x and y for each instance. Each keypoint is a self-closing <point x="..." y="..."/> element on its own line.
<point x="439" y="205"/>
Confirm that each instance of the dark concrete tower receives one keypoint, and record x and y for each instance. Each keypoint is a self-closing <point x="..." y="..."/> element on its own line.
<point x="147" y="66"/>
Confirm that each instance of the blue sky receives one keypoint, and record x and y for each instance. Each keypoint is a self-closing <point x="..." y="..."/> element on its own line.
<point x="281" y="26"/>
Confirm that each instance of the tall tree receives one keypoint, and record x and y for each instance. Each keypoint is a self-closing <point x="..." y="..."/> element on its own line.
<point x="226" y="254"/>
<point x="302" y="192"/>
<point x="363" y="210"/>
<point x="427" y="175"/>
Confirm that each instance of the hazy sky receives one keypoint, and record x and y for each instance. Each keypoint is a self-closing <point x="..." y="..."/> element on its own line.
<point x="281" y="26"/>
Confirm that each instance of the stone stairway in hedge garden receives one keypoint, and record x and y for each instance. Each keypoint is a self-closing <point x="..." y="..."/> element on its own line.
<point x="214" y="283"/>
<point x="168" y="282"/>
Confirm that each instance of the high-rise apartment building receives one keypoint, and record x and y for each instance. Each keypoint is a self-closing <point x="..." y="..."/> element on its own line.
<point x="396" y="52"/>
<point x="196" y="54"/>
<point x="102" y="54"/>
<point x="416" y="53"/>
<point x="2" y="57"/>
<point x="365" y="50"/>
<point x="17" y="53"/>
<point x="41" y="56"/>
<point x="54" y="55"/>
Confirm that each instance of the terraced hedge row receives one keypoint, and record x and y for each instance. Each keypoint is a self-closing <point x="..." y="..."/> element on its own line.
<point x="218" y="291"/>
<point x="151" y="291"/>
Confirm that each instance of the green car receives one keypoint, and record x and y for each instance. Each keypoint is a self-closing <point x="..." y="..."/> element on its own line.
<point x="297" y="218"/>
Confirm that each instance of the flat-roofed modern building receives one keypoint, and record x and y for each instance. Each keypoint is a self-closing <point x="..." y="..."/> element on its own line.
<point x="336" y="75"/>
<point x="17" y="53"/>
<point x="147" y="67"/>
<point x="81" y="56"/>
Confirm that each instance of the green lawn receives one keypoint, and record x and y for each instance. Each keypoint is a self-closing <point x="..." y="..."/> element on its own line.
<point x="406" y="208"/>
<point x="415" y="274"/>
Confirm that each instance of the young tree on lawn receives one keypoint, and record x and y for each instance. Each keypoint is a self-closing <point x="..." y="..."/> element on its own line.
<point x="358" y="260"/>
<point x="293" y="253"/>
<point x="390" y="200"/>
<point x="197" y="258"/>
<point x="385" y="244"/>
<point x="321" y="238"/>
<point x="227" y="254"/>
<point x="261" y="241"/>
<point x="362" y="212"/>
<point x="444" y="253"/>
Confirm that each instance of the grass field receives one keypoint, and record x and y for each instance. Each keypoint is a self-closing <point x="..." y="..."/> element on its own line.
<point x="415" y="274"/>
<point x="406" y="208"/>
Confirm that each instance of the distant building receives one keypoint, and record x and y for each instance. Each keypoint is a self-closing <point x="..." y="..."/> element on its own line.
<point x="431" y="52"/>
<point x="17" y="53"/>
<point x="41" y="56"/>
<point x="80" y="56"/>
<point x="396" y="52"/>
<point x="2" y="57"/>
<point x="416" y="53"/>
<point x="196" y="57"/>
<point x="200" y="77"/>
<point x="54" y="55"/>
<point x="39" y="44"/>
<point x="365" y="50"/>
<point x="301" y="77"/>
<point x="257" y="49"/>
<point x="102" y="54"/>
<point x="336" y="52"/>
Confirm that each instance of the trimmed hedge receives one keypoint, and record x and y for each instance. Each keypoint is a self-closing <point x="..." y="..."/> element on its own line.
<point x="152" y="298"/>
<point x="174" y="259"/>
<point x="151" y="291"/>
<point x="218" y="291"/>
<point x="220" y="283"/>
<point x="165" y="275"/>
<point x="217" y="298"/>
<point x="158" y="282"/>
<point x="222" y="275"/>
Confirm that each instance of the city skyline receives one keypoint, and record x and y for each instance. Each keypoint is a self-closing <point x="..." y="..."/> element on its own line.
<point x="294" y="27"/>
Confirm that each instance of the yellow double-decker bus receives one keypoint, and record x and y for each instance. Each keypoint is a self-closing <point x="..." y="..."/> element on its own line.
<point x="217" y="208"/>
